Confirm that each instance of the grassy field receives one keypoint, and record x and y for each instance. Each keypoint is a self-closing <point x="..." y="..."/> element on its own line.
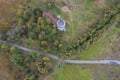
<point x="82" y="15"/>
<point x="91" y="52"/>
<point x="85" y="16"/>
<point x="70" y="72"/>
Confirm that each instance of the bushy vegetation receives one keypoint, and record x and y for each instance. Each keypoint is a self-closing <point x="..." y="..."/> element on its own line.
<point x="34" y="28"/>
<point x="33" y="64"/>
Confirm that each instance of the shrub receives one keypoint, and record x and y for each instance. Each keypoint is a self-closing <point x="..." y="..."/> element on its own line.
<point x="5" y="48"/>
<point x="48" y="21"/>
<point x="17" y="59"/>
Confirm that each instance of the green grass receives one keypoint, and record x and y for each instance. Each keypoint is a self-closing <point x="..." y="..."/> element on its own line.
<point x="71" y="72"/>
<point x="95" y="49"/>
<point x="74" y="72"/>
<point x="116" y="31"/>
<point x="104" y="77"/>
<point x="82" y="16"/>
<point x="91" y="52"/>
<point x="35" y="3"/>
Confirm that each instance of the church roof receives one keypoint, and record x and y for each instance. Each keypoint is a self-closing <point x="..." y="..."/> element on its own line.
<point x="48" y="15"/>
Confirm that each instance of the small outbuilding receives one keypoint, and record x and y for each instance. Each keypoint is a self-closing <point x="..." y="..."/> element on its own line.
<point x="60" y="23"/>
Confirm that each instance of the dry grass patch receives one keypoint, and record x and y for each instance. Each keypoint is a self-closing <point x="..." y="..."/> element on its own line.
<point x="7" y="13"/>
